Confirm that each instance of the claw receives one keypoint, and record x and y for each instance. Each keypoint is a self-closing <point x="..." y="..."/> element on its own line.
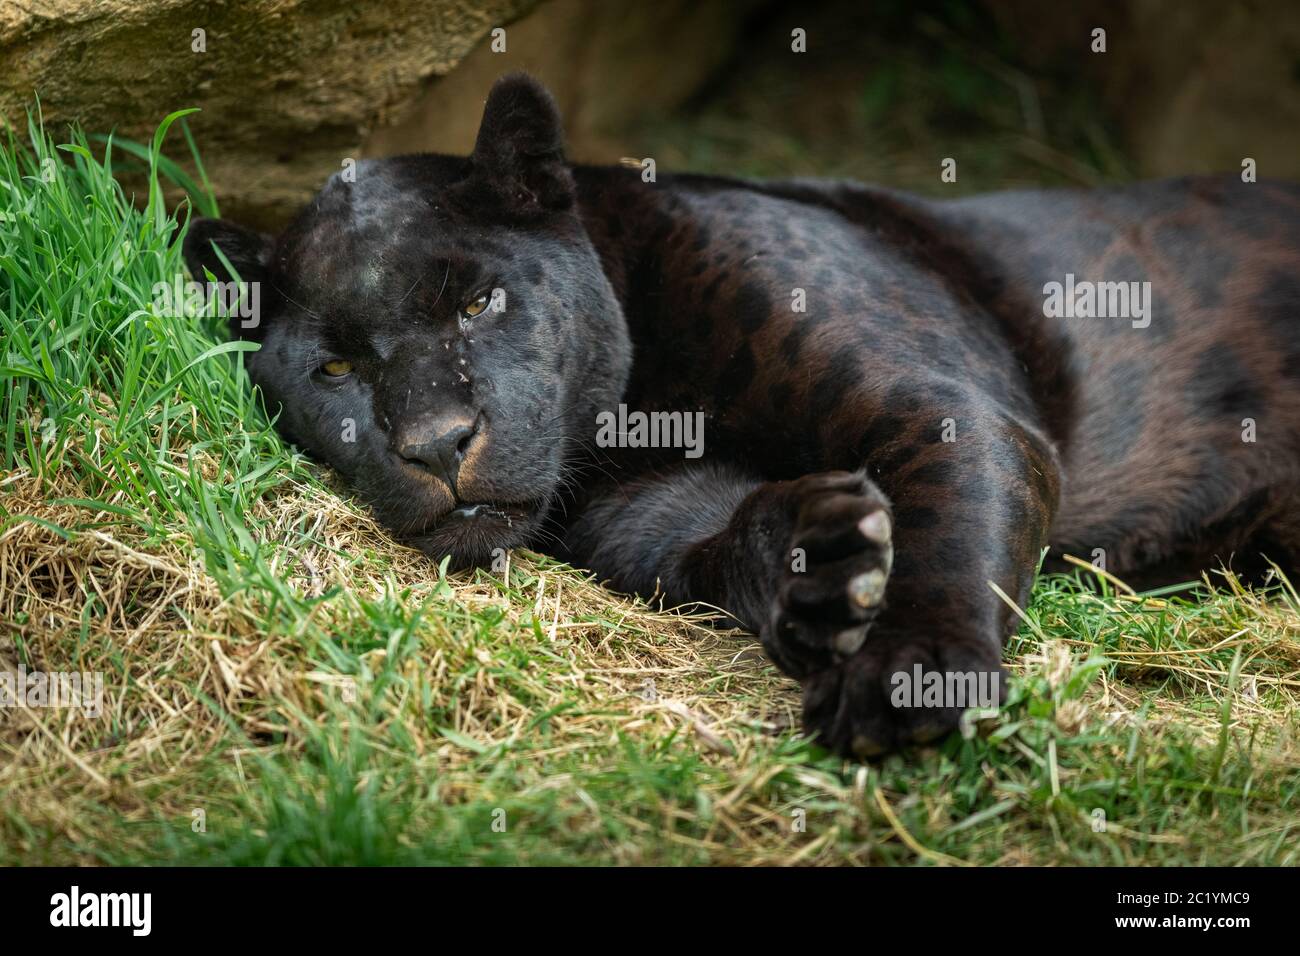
<point x="848" y="642"/>
<point x="866" y="590"/>
<point x="876" y="527"/>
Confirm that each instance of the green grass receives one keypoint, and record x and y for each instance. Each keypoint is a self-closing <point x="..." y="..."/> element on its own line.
<point x="322" y="695"/>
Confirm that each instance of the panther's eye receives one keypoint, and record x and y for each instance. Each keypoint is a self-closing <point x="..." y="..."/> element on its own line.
<point x="336" y="368"/>
<point x="475" y="308"/>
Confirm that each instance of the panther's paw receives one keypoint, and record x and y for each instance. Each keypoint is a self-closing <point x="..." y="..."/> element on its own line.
<point x="900" y="690"/>
<point x="834" y="570"/>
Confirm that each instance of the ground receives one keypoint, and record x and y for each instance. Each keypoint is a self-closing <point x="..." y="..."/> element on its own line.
<point x="285" y="684"/>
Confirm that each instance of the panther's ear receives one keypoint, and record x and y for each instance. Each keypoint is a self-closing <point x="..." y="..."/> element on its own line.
<point x="249" y="254"/>
<point x="518" y="166"/>
<point x="247" y="251"/>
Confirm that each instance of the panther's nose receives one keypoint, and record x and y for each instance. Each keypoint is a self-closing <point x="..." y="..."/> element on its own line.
<point x="439" y="445"/>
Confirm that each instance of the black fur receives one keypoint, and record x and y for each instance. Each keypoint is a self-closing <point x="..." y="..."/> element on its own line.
<point x="922" y="423"/>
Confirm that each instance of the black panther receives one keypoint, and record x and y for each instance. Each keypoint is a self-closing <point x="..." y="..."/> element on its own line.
<point x="905" y="402"/>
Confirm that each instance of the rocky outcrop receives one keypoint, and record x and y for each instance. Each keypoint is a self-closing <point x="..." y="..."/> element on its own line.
<point x="289" y="89"/>
<point x="285" y="86"/>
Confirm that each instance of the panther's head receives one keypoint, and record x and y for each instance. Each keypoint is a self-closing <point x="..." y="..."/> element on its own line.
<point x="440" y="330"/>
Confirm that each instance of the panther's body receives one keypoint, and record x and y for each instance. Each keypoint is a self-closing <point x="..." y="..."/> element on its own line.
<point x="891" y="421"/>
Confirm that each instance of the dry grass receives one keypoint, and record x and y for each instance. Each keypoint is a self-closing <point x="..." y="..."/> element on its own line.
<point x="173" y="647"/>
<point x="196" y="683"/>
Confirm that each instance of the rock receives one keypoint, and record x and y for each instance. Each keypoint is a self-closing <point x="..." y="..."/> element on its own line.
<point x="287" y="87"/>
<point x="291" y="88"/>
